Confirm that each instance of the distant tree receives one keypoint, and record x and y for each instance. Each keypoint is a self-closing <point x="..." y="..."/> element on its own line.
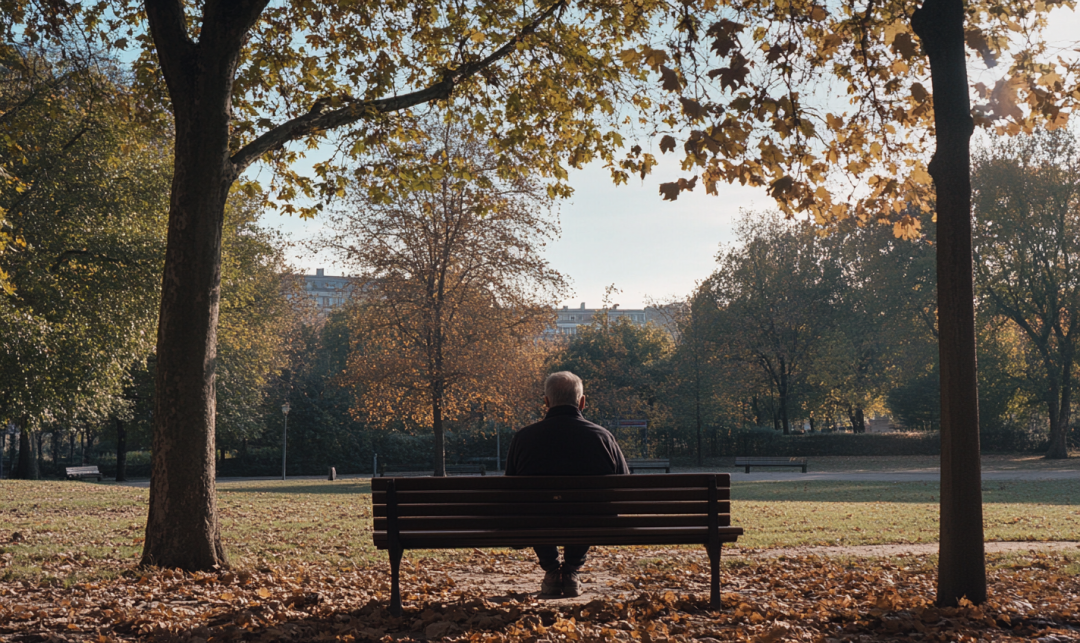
<point x="776" y="293"/>
<point x="453" y="292"/>
<point x="90" y="210"/>
<point x="696" y="364"/>
<point x="625" y="368"/>
<point x="1027" y="249"/>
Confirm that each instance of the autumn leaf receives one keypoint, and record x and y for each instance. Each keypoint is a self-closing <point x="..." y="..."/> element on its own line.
<point x="671" y="190"/>
<point x="670" y="80"/>
<point x="976" y="39"/>
<point x="667" y="143"/>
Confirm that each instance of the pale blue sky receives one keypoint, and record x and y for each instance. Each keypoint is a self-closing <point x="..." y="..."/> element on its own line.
<point x="627" y="236"/>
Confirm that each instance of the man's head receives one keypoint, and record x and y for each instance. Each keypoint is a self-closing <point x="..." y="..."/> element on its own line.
<point x="564" y="388"/>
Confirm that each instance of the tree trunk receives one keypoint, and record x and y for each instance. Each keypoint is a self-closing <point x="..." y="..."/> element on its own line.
<point x="961" y="563"/>
<point x="1060" y="403"/>
<point x="121" y="451"/>
<point x="784" y="421"/>
<point x="40" y="436"/>
<point x="697" y="419"/>
<point x="437" y="427"/>
<point x="858" y="424"/>
<point x="182" y="528"/>
<point x="56" y="449"/>
<point x="27" y="466"/>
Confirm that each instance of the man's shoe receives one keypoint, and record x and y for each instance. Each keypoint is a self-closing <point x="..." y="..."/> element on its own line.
<point x="553" y="584"/>
<point x="571" y="584"/>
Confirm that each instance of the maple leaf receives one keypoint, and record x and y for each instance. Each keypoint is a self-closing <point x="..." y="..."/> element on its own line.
<point x="693" y="110"/>
<point x="905" y="45"/>
<point x="976" y="39"/>
<point x="732" y="77"/>
<point x="672" y="189"/>
<point x="724" y="34"/>
<point x="669" y="79"/>
<point x="667" y="143"/>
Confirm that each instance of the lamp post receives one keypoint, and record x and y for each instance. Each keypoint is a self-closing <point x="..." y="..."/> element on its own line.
<point x="284" y="435"/>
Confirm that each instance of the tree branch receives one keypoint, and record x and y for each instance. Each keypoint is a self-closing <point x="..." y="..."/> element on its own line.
<point x="321" y="118"/>
<point x="174" y="46"/>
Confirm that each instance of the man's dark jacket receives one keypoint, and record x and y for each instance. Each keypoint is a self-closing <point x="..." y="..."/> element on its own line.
<point x="564" y="444"/>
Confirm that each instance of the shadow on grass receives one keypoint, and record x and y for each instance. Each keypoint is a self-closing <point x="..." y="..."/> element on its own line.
<point x="341" y="487"/>
<point x="1045" y="492"/>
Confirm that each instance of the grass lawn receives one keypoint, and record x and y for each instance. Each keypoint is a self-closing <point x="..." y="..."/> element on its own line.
<point x="62" y="532"/>
<point x="916" y="463"/>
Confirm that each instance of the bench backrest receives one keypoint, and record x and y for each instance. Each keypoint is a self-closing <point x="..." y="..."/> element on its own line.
<point x="526" y="510"/>
<point x="77" y="470"/>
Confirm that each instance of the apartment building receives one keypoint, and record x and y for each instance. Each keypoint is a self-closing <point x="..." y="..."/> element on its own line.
<point x="568" y="320"/>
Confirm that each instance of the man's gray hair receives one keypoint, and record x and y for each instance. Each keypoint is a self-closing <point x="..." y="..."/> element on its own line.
<point x="563" y="388"/>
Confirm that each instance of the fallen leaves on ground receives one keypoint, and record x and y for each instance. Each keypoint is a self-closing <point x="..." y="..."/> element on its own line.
<point x="653" y="594"/>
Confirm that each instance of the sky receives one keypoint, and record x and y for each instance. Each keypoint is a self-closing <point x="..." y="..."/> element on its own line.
<point x="626" y="236"/>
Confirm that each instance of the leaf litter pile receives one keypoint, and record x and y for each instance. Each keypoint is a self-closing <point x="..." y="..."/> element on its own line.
<point x="89" y="589"/>
<point x="775" y="599"/>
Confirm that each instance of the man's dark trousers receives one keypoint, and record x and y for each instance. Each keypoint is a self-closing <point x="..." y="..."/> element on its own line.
<point x="573" y="557"/>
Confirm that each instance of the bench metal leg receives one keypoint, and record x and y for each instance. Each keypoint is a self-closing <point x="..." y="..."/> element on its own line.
<point x="714" y="573"/>
<point x="804" y="468"/>
<point x="748" y="468"/>
<point x="395" y="580"/>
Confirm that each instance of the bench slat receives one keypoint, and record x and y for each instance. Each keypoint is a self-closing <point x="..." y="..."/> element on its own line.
<point x="515" y="496"/>
<point x="531" y="537"/>
<point x="553" y="482"/>
<point x="537" y="509"/>
<point x="451" y="523"/>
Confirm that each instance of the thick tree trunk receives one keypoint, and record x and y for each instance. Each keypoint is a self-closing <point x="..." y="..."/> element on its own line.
<point x="182" y="528"/>
<point x="961" y="564"/>
<point x="121" y="451"/>
<point x="1060" y="404"/>
<point x="784" y="421"/>
<point x="27" y="466"/>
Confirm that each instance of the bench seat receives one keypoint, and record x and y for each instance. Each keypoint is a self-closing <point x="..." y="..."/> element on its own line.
<point x="78" y="473"/>
<point x="523" y="511"/>
<point x="748" y="462"/>
<point x="644" y="464"/>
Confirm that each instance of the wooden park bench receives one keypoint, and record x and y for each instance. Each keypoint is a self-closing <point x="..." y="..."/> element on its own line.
<point x="465" y="470"/>
<point x="524" y="511"/>
<point x="415" y="470"/>
<point x="78" y="473"/>
<point x="644" y="464"/>
<point x="769" y="462"/>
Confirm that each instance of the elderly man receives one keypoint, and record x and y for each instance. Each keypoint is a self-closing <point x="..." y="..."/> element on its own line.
<point x="564" y="444"/>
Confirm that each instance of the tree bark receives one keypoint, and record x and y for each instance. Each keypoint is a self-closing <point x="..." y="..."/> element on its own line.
<point x="182" y="529"/>
<point x="437" y="426"/>
<point x="27" y="466"/>
<point x="1060" y="407"/>
<point x="40" y="438"/>
<point x="697" y="420"/>
<point x="961" y="563"/>
<point x="784" y="420"/>
<point x="121" y="451"/>
<point x="56" y="449"/>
